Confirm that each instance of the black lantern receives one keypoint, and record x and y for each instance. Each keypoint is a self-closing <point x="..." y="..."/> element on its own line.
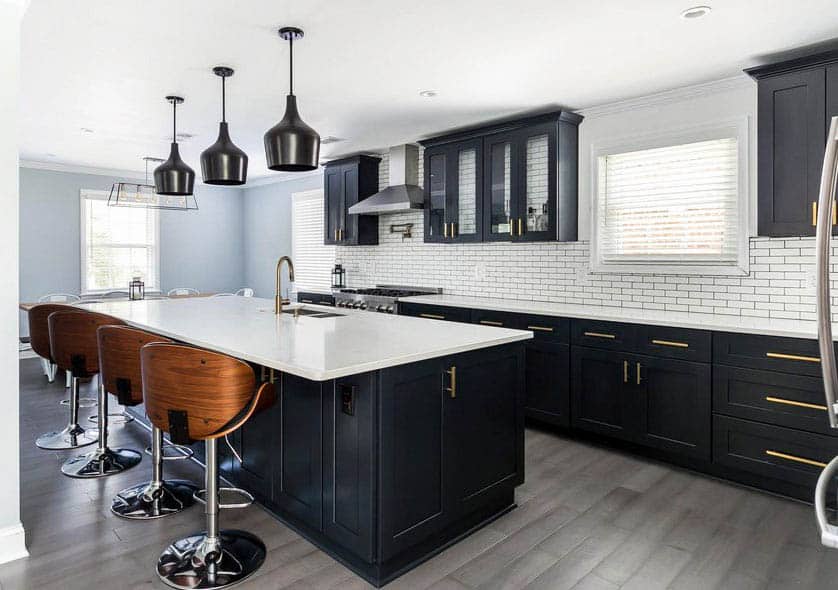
<point x="173" y="177"/>
<point x="136" y="289"/>
<point x="291" y="145"/>
<point x="223" y="162"/>
<point x="338" y="277"/>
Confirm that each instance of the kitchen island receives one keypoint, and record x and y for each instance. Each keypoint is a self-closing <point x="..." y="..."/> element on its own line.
<point x="392" y="437"/>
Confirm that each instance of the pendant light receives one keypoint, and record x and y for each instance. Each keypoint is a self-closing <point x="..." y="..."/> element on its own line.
<point x="291" y="145"/>
<point x="173" y="177"/>
<point x="223" y="162"/>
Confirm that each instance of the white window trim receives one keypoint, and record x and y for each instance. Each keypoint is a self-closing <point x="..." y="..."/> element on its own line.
<point x="723" y="128"/>
<point x="86" y="194"/>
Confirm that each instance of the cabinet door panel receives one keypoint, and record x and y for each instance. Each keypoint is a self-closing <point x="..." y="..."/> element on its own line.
<point x="674" y="405"/>
<point x="349" y="223"/>
<point x="436" y="194"/>
<point x="412" y="455"/>
<point x="333" y="204"/>
<point x="298" y="485"/>
<point x="792" y="122"/>
<point x="537" y="197"/>
<point x="599" y="402"/>
<point x="254" y="442"/>
<point x="548" y="382"/>
<point x="467" y="192"/>
<point x="501" y="178"/>
<point x="484" y="424"/>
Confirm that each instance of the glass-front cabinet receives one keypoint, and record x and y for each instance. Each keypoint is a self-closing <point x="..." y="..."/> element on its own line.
<point x="509" y="182"/>
<point x="453" y="192"/>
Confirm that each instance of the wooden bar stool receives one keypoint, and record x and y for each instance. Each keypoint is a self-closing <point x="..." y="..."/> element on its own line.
<point x="195" y="394"/>
<point x="74" y="347"/>
<point x="119" y="357"/>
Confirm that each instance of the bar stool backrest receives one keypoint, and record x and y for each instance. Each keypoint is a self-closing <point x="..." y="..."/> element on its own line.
<point x="196" y="394"/>
<point x="73" y="340"/>
<point x="119" y="361"/>
<point x="39" y="326"/>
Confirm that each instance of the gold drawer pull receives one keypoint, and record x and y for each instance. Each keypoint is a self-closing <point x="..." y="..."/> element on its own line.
<point x="625" y="371"/>
<point x="671" y="343"/>
<point x="453" y="389"/>
<point x="600" y="335"/>
<point x="540" y="328"/>
<point x="791" y="402"/>
<point x="792" y="357"/>
<point x="795" y="458"/>
<point x="491" y="323"/>
<point x="431" y="316"/>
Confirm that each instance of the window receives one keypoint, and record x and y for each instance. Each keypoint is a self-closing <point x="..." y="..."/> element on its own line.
<point x="313" y="260"/>
<point x="678" y="206"/>
<point x="117" y="244"/>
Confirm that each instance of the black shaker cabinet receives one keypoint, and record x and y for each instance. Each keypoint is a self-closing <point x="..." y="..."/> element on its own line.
<point x="345" y="182"/>
<point x="453" y="192"/>
<point x="796" y="100"/>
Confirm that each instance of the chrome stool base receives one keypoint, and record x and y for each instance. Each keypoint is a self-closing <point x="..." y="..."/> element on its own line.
<point x="145" y="501"/>
<point x="101" y="464"/>
<point x="69" y="438"/>
<point x="198" y="562"/>
<point x="117" y="418"/>
<point x="84" y="402"/>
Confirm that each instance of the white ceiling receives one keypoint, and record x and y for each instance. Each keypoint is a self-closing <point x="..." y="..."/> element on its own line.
<point x="107" y="65"/>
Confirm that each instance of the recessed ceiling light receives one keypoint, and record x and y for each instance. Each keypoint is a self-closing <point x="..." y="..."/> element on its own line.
<point x="86" y="130"/>
<point x="695" y="12"/>
<point x="428" y="93"/>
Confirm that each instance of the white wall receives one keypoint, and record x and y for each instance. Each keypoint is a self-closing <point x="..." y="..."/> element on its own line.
<point x="12" y="542"/>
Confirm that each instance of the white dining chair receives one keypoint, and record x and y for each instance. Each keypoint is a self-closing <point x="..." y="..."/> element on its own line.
<point x="245" y="292"/>
<point x="224" y="295"/>
<point x="59" y="298"/>
<point x="183" y="291"/>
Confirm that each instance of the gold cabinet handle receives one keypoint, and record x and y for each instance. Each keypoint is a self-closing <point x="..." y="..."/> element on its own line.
<point x="540" y="328"/>
<point x="452" y="372"/>
<point x="625" y="371"/>
<point x="520" y="226"/>
<point x="638" y="373"/>
<point x="792" y="357"/>
<point x="795" y="458"/>
<point x="444" y="230"/>
<point x="511" y="227"/>
<point x="791" y="402"/>
<point x="342" y="237"/>
<point x="336" y="235"/>
<point x="491" y="323"/>
<point x="671" y="343"/>
<point x="306" y="301"/>
<point x="432" y="316"/>
<point x="453" y="229"/>
<point x="815" y="213"/>
<point x="600" y="335"/>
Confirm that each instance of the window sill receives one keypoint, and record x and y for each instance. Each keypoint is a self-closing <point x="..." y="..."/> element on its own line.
<point x="670" y="269"/>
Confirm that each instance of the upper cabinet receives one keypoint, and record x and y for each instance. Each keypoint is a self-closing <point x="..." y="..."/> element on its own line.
<point x="796" y="100"/>
<point x="346" y="182"/>
<point x="515" y="181"/>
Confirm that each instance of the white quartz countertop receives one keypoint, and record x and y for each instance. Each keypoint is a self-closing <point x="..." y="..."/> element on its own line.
<point x="699" y="321"/>
<point x="313" y="348"/>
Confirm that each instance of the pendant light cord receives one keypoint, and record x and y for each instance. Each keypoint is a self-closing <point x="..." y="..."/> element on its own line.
<point x="223" y="99"/>
<point x="291" y="64"/>
<point x="174" y="121"/>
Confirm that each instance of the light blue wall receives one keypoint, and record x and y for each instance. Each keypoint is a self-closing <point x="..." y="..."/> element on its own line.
<point x="267" y="235"/>
<point x="201" y="249"/>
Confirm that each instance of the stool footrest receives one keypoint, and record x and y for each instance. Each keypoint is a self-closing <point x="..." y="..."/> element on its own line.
<point x="183" y="452"/>
<point x="249" y="499"/>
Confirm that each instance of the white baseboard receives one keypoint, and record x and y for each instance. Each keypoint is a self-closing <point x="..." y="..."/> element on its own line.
<point x="12" y="543"/>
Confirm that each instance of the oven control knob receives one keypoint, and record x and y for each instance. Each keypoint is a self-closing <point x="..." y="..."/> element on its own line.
<point x="380" y="308"/>
<point x="388" y="309"/>
<point x="341" y="303"/>
<point x="356" y="305"/>
<point x="363" y="305"/>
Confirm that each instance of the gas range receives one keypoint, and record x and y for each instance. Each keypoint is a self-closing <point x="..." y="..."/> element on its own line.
<point x="382" y="298"/>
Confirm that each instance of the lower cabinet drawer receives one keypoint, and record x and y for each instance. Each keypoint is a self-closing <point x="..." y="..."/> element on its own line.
<point x="435" y="312"/>
<point x="787" y="355"/>
<point x="771" y="451"/>
<point x="678" y="343"/>
<point x="795" y="401"/>
<point x="607" y="335"/>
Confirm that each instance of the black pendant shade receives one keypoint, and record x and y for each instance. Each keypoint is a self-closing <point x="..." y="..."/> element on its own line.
<point x="291" y="145"/>
<point x="174" y="177"/>
<point x="223" y="162"/>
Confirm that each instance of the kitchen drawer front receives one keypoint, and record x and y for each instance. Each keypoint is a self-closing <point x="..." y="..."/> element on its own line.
<point x="435" y="312"/>
<point x="315" y="298"/>
<point x="788" y="355"/>
<point x="545" y="327"/>
<point x="771" y="451"/>
<point x="796" y="401"/>
<point x="498" y="319"/>
<point x="677" y="343"/>
<point x="607" y="335"/>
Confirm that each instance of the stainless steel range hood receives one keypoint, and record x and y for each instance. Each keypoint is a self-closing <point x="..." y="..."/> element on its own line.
<point x="403" y="194"/>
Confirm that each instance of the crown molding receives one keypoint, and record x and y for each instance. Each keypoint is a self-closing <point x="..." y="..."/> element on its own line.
<point x="670" y="96"/>
<point x="77" y="169"/>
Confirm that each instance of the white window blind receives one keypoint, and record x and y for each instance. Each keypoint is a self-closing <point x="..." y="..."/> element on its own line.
<point x="676" y="205"/>
<point x="117" y="244"/>
<point x="313" y="261"/>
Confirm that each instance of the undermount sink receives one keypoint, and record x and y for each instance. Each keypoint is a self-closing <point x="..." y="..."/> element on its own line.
<point x="304" y="311"/>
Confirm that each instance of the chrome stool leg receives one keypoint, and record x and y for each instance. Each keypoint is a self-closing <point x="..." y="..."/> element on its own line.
<point x="84" y="402"/>
<point x="49" y="369"/>
<point x="73" y="435"/>
<point x="156" y="498"/>
<point x="103" y="461"/>
<point x="214" y="558"/>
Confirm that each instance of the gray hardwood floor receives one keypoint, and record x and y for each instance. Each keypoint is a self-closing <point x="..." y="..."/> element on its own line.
<point x="589" y="518"/>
